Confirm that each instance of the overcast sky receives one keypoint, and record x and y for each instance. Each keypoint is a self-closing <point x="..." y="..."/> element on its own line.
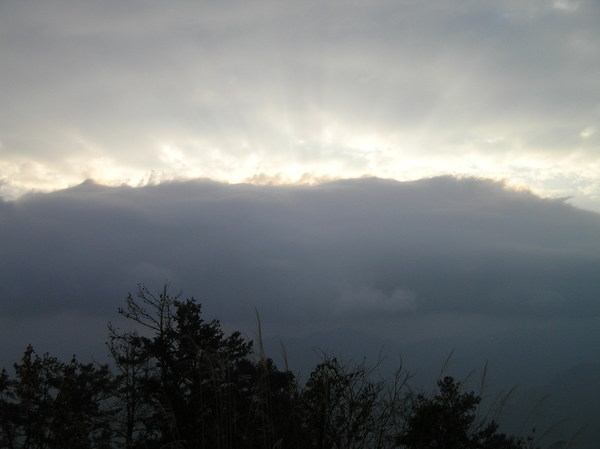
<point x="441" y="258"/>
<point x="299" y="91"/>
<point x="352" y="266"/>
<point x="414" y="172"/>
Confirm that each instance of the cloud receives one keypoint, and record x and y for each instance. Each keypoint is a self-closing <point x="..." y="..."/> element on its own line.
<point x="566" y="5"/>
<point x="233" y="90"/>
<point x="353" y="251"/>
<point x="365" y="299"/>
<point x="357" y="268"/>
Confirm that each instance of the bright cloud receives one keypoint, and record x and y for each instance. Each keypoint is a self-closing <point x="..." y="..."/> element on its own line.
<point x="284" y="90"/>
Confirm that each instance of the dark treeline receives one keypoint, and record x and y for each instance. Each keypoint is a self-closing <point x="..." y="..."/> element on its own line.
<point x="178" y="381"/>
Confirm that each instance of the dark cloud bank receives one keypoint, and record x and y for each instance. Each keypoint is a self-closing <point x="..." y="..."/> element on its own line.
<point x="422" y="267"/>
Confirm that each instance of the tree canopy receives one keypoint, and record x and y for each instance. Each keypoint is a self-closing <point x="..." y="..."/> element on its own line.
<point x="179" y="381"/>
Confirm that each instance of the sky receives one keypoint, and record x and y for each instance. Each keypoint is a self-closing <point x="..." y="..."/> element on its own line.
<point x="423" y="175"/>
<point x="355" y="268"/>
<point x="410" y="261"/>
<point x="286" y="92"/>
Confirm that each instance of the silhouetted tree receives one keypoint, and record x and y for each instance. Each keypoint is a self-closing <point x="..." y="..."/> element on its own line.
<point x="132" y="368"/>
<point x="181" y="382"/>
<point x="448" y="421"/>
<point x="50" y="404"/>
<point x="187" y="384"/>
<point x="347" y="406"/>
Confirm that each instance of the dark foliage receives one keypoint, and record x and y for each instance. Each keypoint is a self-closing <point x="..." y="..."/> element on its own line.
<point x="187" y="384"/>
<point x="178" y="381"/>
<point x="448" y="420"/>
<point x="50" y="404"/>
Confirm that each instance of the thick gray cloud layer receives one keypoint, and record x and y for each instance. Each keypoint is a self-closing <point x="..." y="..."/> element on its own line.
<point x="127" y="91"/>
<point x="443" y="257"/>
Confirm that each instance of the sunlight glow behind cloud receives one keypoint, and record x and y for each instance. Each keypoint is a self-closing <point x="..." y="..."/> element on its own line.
<point x="289" y="92"/>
